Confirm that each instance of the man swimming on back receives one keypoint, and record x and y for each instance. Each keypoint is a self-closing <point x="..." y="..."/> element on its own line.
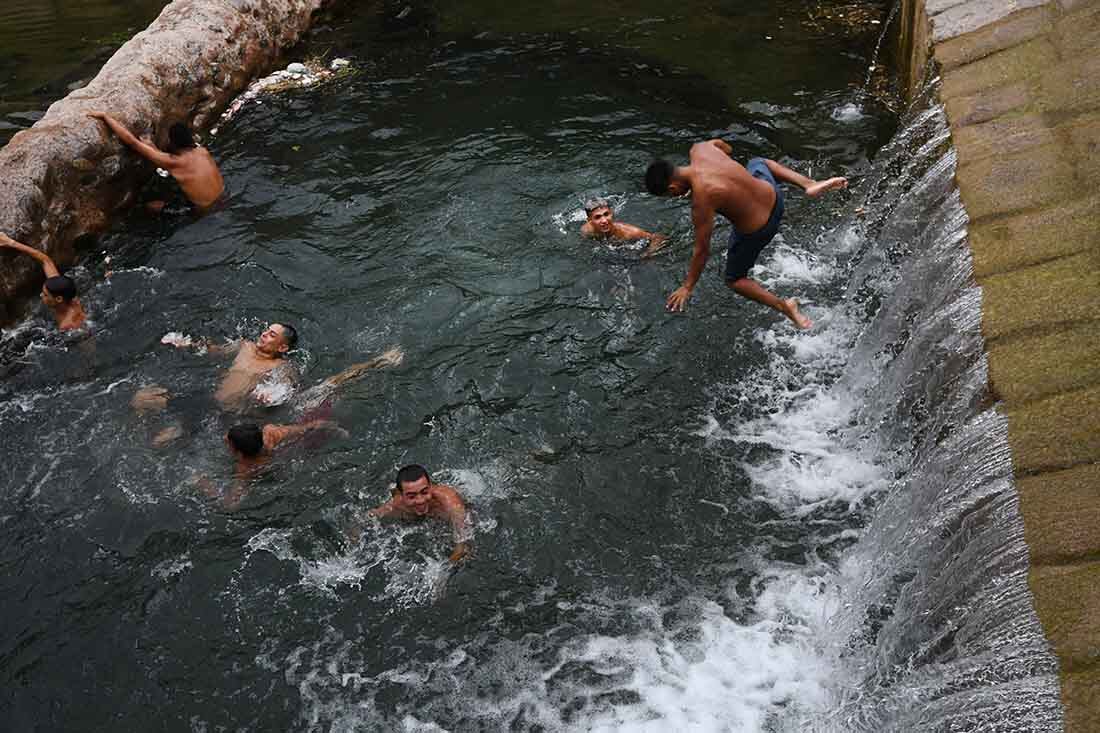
<point x="601" y="224"/>
<point x="749" y="198"/>
<point x="261" y="361"/>
<point x="190" y="164"/>
<point x="58" y="292"/>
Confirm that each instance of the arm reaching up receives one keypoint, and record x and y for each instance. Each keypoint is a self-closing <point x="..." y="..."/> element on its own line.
<point x="150" y="152"/>
<point x="703" y="219"/>
<point x="48" y="266"/>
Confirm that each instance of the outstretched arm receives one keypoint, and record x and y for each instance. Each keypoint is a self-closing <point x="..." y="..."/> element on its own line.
<point x="274" y="435"/>
<point x="460" y="523"/>
<point x="703" y="219"/>
<point x="631" y="232"/>
<point x="152" y="153"/>
<point x="48" y="267"/>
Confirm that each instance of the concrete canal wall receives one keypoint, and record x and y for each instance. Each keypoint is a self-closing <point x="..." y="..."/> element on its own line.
<point x="1021" y="87"/>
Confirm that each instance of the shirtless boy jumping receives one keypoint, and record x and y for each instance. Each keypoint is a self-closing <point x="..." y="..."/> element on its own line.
<point x="191" y="165"/>
<point x="750" y="198"/>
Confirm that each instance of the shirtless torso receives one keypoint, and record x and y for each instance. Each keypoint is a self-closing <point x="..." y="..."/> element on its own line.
<point x="249" y="368"/>
<point x="198" y="176"/>
<point x="721" y="184"/>
<point x="422" y="499"/>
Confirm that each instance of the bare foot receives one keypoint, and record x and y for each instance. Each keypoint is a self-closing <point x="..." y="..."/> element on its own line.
<point x="167" y="435"/>
<point x="820" y="187"/>
<point x="149" y="399"/>
<point x="796" y="316"/>
<point x="392" y="356"/>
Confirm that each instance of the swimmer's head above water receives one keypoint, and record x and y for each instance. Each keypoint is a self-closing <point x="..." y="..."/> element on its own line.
<point x="600" y="215"/>
<point x="661" y="179"/>
<point x="277" y="339"/>
<point x="414" y="486"/>
<point x="180" y="138"/>
<point x="246" y="439"/>
<point x="58" y="290"/>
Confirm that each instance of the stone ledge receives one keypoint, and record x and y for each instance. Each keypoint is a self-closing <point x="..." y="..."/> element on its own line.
<point x="1012" y="182"/>
<point x="1055" y="432"/>
<point x="1071" y="87"/>
<point x="1041" y="365"/>
<point x="988" y="104"/>
<point x="1062" y="514"/>
<point x="1066" y="599"/>
<point x="1014" y="30"/>
<point x="1055" y="293"/>
<point x="1014" y="64"/>
<point x="1016" y="133"/>
<point x="973" y="15"/>
<point x="999" y="245"/>
<point x="1080" y="697"/>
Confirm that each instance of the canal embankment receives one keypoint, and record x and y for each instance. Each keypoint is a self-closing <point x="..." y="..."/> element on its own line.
<point x="1021" y="89"/>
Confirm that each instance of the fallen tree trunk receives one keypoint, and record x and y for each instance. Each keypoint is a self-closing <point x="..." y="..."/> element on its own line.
<point x="61" y="180"/>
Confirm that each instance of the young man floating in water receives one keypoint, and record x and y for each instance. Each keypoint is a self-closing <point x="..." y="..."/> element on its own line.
<point x="415" y="497"/>
<point x="261" y="361"/>
<point x="58" y="292"/>
<point x="601" y="224"/>
<point x="752" y="201"/>
<point x="191" y="165"/>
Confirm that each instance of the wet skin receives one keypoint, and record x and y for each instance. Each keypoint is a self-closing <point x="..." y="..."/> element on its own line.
<point x="421" y="499"/>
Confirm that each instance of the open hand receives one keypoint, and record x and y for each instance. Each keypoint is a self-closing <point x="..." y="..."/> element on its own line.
<point x="679" y="298"/>
<point x="98" y="115"/>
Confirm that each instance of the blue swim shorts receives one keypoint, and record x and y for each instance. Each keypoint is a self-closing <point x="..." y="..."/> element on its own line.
<point x="745" y="248"/>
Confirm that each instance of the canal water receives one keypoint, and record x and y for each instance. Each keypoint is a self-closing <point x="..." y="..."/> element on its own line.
<point x="703" y="521"/>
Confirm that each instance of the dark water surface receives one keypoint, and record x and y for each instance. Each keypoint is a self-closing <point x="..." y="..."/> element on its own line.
<point x="49" y="47"/>
<point x="432" y="201"/>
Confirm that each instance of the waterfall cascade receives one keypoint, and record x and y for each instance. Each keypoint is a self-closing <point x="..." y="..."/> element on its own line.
<point x="936" y="622"/>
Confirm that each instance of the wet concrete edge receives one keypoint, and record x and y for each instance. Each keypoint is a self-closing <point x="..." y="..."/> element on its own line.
<point x="1021" y="88"/>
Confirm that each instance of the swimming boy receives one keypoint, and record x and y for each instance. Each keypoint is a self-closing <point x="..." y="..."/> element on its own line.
<point x="58" y="292"/>
<point x="752" y="201"/>
<point x="264" y="359"/>
<point x="601" y="224"/>
<point x="190" y="164"/>
<point x="253" y="446"/>
<point x="415" y="497"/>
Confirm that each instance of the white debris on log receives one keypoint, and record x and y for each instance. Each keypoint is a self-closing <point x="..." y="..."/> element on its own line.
<point x="295" y="76"/>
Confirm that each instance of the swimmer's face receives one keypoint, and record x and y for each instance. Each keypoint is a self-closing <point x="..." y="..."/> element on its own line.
<point x="417" y="496"/>
<point x="273" y="340"/>
<point x="676" y="188"/>
<point x="601" y="219"/>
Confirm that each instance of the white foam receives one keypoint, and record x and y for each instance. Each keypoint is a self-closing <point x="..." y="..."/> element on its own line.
<point x="850" y="112"/>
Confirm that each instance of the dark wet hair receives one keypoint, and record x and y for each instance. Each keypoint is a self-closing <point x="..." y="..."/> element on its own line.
<point x="409" y="474"/>
<point x="594" y="204"/>
<point x="290" y="334"/>
<point x="657" y="177"/>
<point x="180" y="137"/>
<point x="61" y="286"/>
<point x="248" y="438"/>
